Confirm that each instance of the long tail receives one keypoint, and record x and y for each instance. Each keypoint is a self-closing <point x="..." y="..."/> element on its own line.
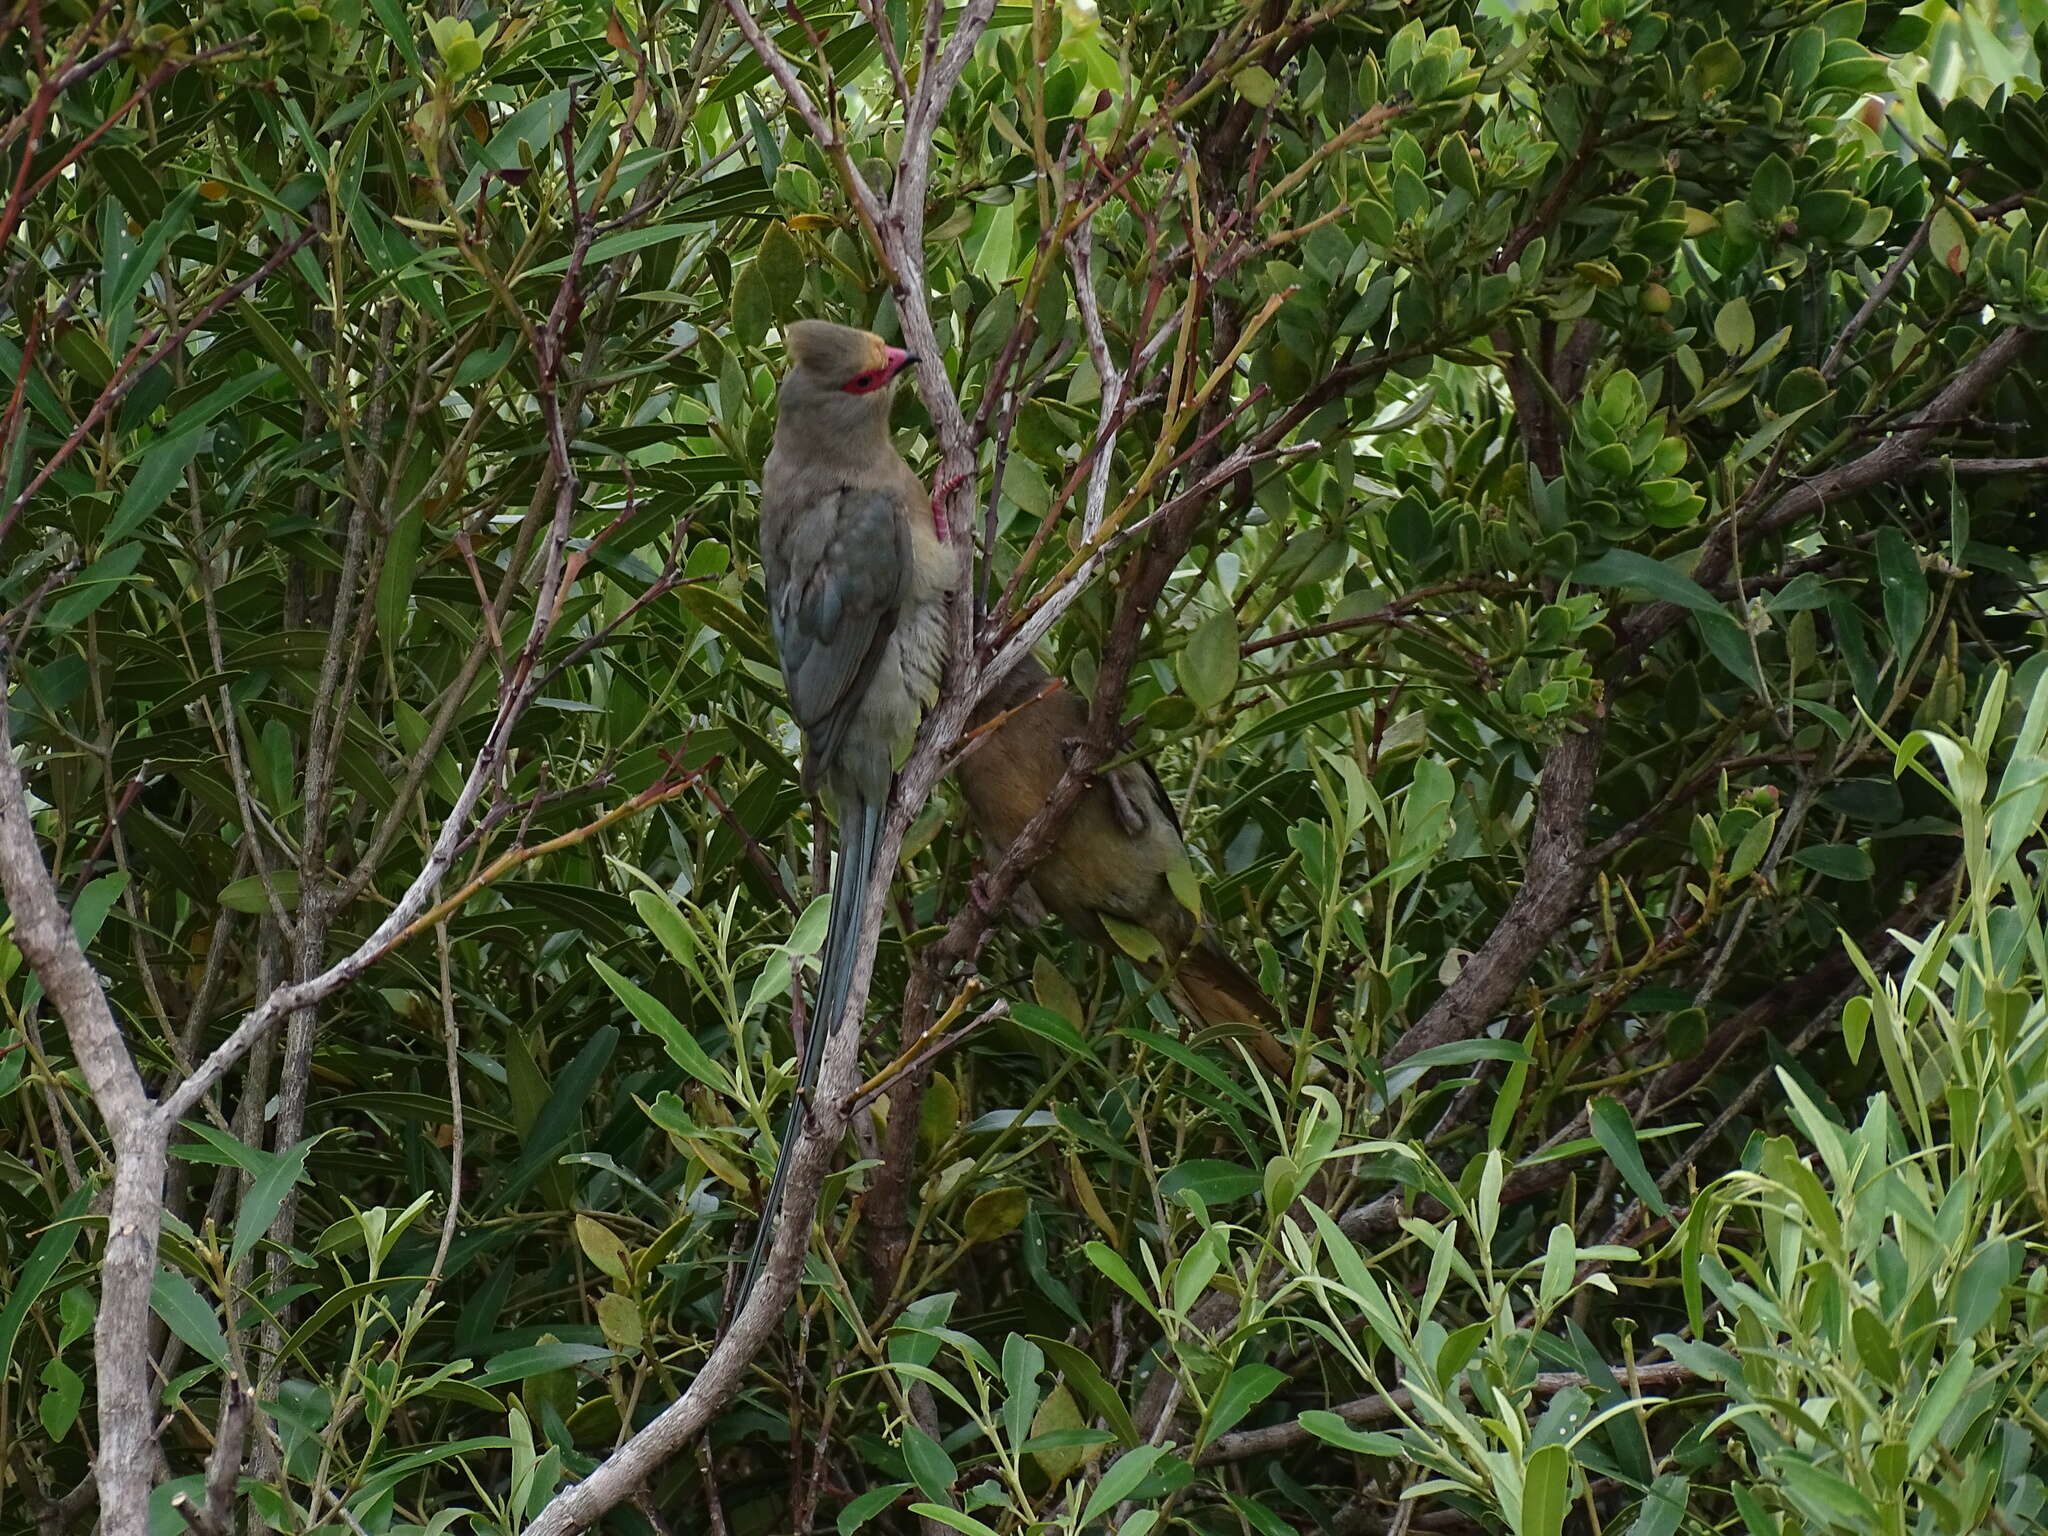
<point x="1211" y="988"/>
<point x="862" y="832"/>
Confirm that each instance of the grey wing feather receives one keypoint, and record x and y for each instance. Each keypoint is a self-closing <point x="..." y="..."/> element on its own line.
<point x="836" y="599"/>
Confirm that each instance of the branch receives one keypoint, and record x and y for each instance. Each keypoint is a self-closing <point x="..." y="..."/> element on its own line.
<point x="1081" y="253"/>
<point x="42" y="931"/>
<point x="1558" y="873"/>
<point x="1986" y="466"/>
<point x="899" y="238"/>
<point x="1899" y="455"/>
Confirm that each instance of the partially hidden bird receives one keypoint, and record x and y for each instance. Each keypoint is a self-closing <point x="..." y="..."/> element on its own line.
<point x="857" y="580"/>
<point x="1116" y="857"/>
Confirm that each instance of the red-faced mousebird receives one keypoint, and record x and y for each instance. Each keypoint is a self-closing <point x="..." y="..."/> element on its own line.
<point x="857" y="582"/>
<point x="1114" y="857"/>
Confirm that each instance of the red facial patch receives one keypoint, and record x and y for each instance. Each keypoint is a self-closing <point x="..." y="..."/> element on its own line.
<point x="894" y="361"/>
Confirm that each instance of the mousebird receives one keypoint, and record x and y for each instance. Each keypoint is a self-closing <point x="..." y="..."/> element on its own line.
<point x="1113" y="856"/>
<point x="857" y="580"/>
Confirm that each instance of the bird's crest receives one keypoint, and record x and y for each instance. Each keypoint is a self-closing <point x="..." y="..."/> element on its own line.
<point x="835" y="352"/>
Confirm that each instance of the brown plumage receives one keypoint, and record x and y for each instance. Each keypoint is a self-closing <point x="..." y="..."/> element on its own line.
<point x="1113" y="857"/>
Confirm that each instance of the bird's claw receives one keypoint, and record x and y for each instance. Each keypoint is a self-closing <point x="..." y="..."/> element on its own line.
<point x="944" y="489"/>
<point x="977" y="892"/>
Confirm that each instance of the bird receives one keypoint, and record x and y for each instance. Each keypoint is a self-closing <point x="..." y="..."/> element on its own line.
<point x="1115" y="860"/>
<point x="858" y="580"/>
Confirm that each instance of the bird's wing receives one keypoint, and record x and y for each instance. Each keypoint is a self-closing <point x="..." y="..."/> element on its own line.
<point x="1141" y="801"/>
<point x="846" y="568"/>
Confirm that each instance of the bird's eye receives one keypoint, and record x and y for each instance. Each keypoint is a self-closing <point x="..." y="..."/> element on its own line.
<point x="861" y="383"/>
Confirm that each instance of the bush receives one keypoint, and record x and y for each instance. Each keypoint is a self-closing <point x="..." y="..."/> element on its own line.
<point x="1515" y="471"/>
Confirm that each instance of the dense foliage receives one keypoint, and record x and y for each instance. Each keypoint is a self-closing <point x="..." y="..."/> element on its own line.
<point x="1548" y="488"/>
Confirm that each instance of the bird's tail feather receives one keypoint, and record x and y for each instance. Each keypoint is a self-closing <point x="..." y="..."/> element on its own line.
<point x="860" y="836"/>
<point x="1211" y="988"/>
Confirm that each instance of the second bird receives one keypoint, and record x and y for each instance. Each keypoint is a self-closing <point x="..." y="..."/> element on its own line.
<point x="857" y="582"/>
<point x="1113" y="857"/>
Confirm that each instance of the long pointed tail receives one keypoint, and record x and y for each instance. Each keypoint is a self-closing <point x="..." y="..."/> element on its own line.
<point x="861" y="834"/>
<point x="1211" y="987"/>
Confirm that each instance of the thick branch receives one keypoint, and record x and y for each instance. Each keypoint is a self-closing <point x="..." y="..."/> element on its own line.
<point x="1558" y="873"/>
<point x="42" y="931"/>
<point x="1902" y="454"/>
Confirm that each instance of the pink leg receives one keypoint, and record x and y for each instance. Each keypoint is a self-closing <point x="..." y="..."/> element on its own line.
<point x="945" y="489"/>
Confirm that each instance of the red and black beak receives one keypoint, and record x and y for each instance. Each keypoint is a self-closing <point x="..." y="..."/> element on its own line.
<point x="894" y="361"/>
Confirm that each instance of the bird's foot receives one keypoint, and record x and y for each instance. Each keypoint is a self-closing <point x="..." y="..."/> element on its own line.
<point x="944" y="489"/>
<point x="978" y="893"/>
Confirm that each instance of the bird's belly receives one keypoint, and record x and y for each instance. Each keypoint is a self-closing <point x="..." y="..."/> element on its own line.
<point x="906" y="684"/>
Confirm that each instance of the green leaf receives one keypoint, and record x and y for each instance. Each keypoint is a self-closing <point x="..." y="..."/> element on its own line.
<point x="1049" y="1025"/>
<point x="995" y="1213"/>
<point x="1332" y="1430"/>
<point x="395" y="581"/>
<point x="39" y="1268"/>
<point x="392" y="14"/>
<point x="90" y="911"/>
<point x="58" y="1407"/>
<point x="1255" y="85"/>
<point x="1248" y="1386"/>
<point x="1905" y="590"/>
<point x="604" y="1247"/>
<point x="267" y="1195"/>
<point x="753" y="308"/>
<point x="928" y="1463"/>
<point x="868" y="1505"/>
<point x="1718" y="66"/>
<point x="1616" y="1133"/>
<point x="1828" y="1500"/>
<point x="1138" y="943"/>
<point x="1207" y="664"/>
<point x="1460" y="1053"/>
<point x="1084" y="1376"/>
<point x="780" y="261"/>
<point x="527" y="137"/>
<point x="140" y="265"/>
<point x="1734" y="328"/>
<point x="160" y="471"/>
<point x="1124" y="1475"/>
<point x="1022" y="1362"/>
<point x="1213" y="1181"/>
<point x="189" y="1316"/>
<point x="1663" y="1507"/>
<point x="1546" y="1491"/>
<point x="1838" y="861"/>
<point x="538" y="1360"/>
<point x="1291" y="720"/>
<point x="1626" y="568"/>
<point x="1981" y="1285"/>
<point x="92" y="586"/>
<point x="947" y="1516"/>
<point x="655" y="1018"/>
<point x="247" y="895"/>
<point x="1111" y="1263"/>
<point x="624" y="243"/>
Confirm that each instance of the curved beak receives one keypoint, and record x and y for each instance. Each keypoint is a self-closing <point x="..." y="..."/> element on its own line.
<point x="895" y="360"/>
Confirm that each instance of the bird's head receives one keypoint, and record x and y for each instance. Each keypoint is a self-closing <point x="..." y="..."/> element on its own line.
<point x="839" y="374"/>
